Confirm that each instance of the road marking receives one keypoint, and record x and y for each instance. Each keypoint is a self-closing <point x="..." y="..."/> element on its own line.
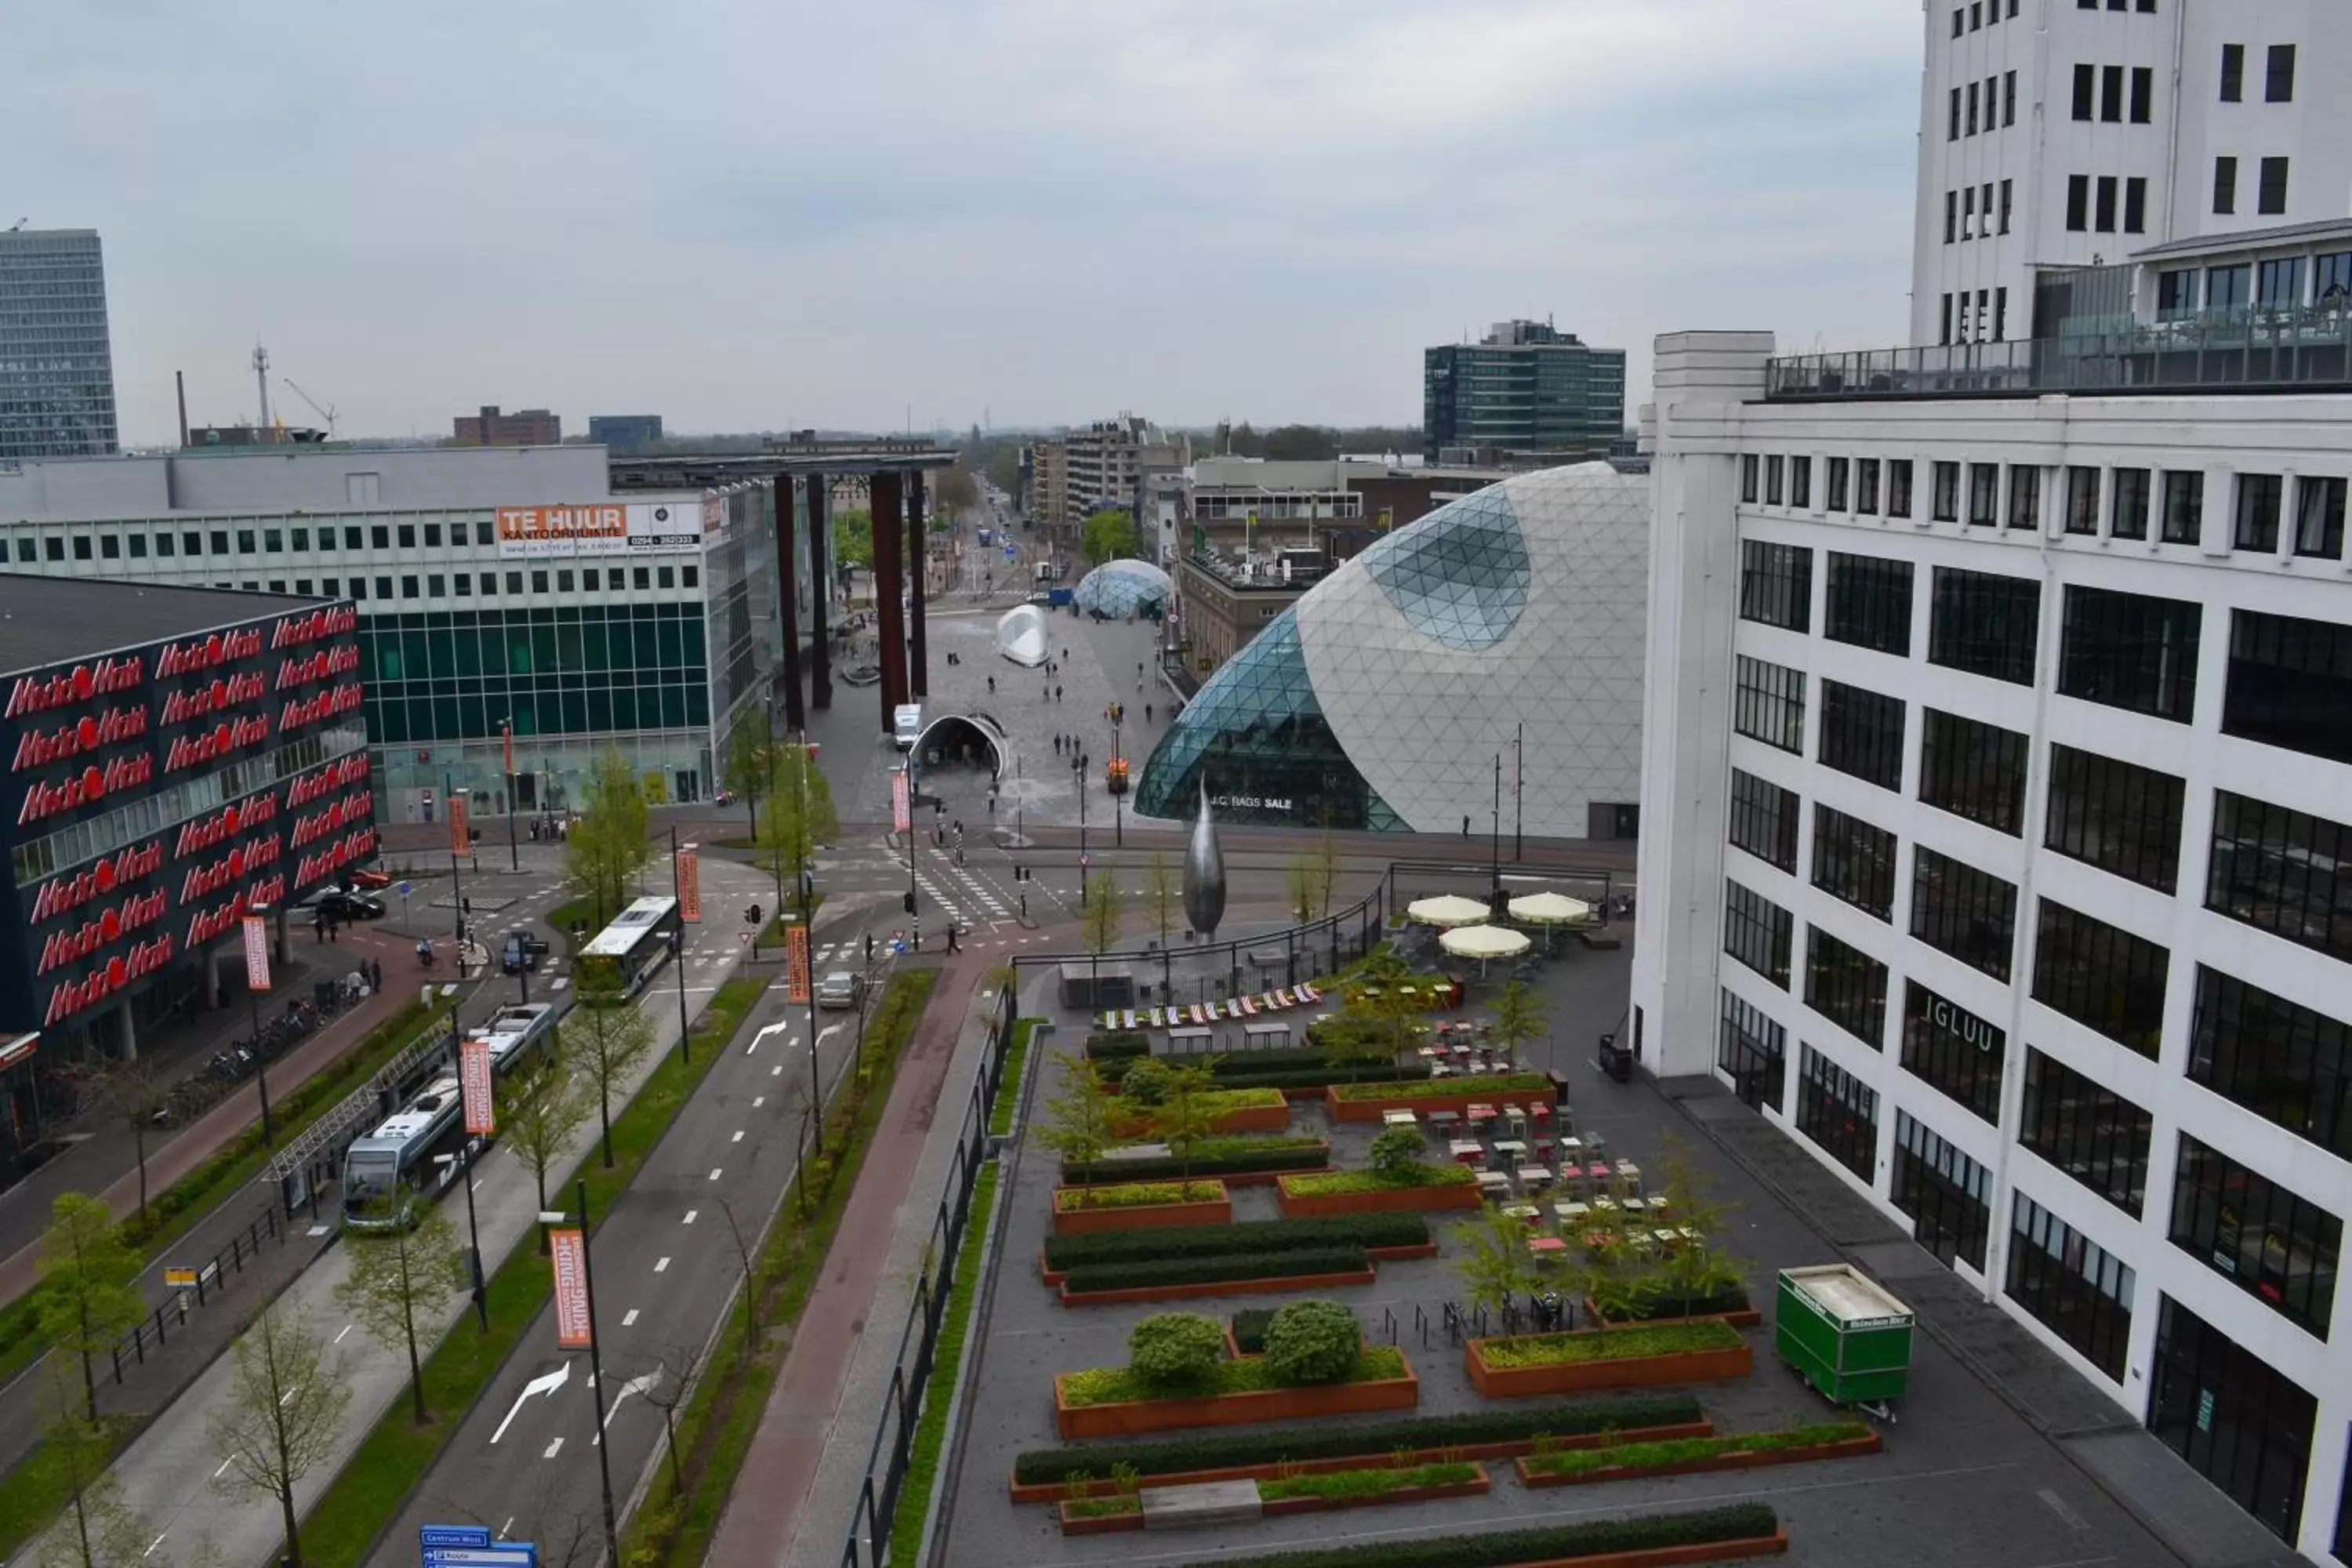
<point x="339" y="1338"/>
<point x="776" y="1071"/>
<point x="714" y="1173"/>
<point x="222" y="1471"/>
<point x="548" y="1383"/>
<point x="690" y="1216"/>
<point x="289" y="1393"/>
<point x="757" y="1101"/>
<point x="562" y="983"/>
<point x="764" y="1033"/>
<point x="644" y="1385"/>
<point x="737" y="1139"/>
<point x="552" y="1449"/>
<point x="506" y="1526"/>
<point x="150" y="1547"/>
<point x="628" y="1317"/>
<point x="662" y="1266"/>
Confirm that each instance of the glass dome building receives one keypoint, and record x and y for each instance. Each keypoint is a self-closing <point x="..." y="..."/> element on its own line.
<point x="1121" y="587"/>
<point x="1381" y="698"/>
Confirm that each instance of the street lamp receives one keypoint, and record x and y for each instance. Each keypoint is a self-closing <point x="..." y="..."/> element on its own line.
<point x="506" y="736"/>
<point x="464" y="1173"/>
<point x="595" y="1365"/>
<point x="685" y="1052"/>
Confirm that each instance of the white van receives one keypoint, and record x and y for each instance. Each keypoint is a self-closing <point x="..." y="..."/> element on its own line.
<point x="907" y="725"/>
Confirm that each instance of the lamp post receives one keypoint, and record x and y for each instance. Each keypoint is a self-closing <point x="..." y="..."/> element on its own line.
<point x="465" y="1164"/>
<point x="685" y="1052"/>
<point x="505" y="737"/>
<point x="595" y="1366"/>
<point x="1519" y="794"/>
<point x="1494" y="837"/>
<point x="456" y="881"/>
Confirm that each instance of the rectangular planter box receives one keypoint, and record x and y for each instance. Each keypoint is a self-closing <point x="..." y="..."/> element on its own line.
<point x="1425" y="1100"/>
<point x="1586" y="1376"/>
<point x="1771" y="1545"/>
<point x="1746" y="1317"/>
<point x="1218" y="1210"/>
<point x="1851" y="1448"/>
<point x="1278" y="1285"/>
<point x="1056" y="1491"/>
<point x="1100" y="1523"/>
<point x="1247" y="1119"/>
<point x="1380" y="1200"/>
<point x="1129" y="1418"/>
<point x="1277" y="1507"/>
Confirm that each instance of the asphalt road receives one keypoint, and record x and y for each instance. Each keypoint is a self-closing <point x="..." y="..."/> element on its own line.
<point x="667" y="1262"/>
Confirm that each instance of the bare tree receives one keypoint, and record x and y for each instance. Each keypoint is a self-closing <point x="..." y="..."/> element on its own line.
<point x="99" y="1529"/>
<point x="607" y="1037"/>
<point x="749" y="1266"/>
<point x="404" y="1273"/>
<point x="92" y="1298"/>
<point x="543" y="1119"/>
<point x="136" y="1094"/>
<point x="1323" y="873"/>
<point x="279" y="1424"/>
<point x="673" y="1375"/>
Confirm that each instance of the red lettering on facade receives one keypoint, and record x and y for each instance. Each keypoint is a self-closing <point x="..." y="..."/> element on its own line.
<point x="74" y="995"/>
<point x="63" y="895"/>
<point x="39" y="748"/>
<point x="108" y="927"/>
<point x="204" y="653"/>
<point x="91" y="785"/>
<point x="228" y="735"/>
<point x="334" y="776"/>
<point x="221" y="694"/>
<point x="321" y="665"/>
<point x="39" y="693"/>
<point x="332" y="621"/>
<point x="355" y="845"/>
<point x="324" y="705"/>
<point x="224" y="824"/>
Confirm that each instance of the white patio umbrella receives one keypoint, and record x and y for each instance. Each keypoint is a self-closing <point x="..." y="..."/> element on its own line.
<point x="1446" y="909"/>
<point x="1483" y="941"/>
<point x="1551" y="908"/>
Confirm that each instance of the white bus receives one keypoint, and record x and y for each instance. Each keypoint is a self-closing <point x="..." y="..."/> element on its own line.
<point x="385" y="1172"/>
<point x="626" y="952"/>
<point x="520" y="1034"/>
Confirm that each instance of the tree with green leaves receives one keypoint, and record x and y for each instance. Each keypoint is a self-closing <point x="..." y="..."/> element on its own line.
<point x="606" y="1036"/>
<point x="90" y="1297"/>
<point x="800" y="820"/>
<point x="283" y="1411"/>
<point x="407" y="1272"/>
<point x="1163" y="893"/>
<point x="98" y="1529"/>
<point x="1519" y="1019"/>
<point x="952" y="491"/>
<point x="1105" y="908"/>
<point x="547" y="1110"/>
<point x="1187" y="1115"/>
<point x="1080" y="1121"/>
<point x="749" y="770"/>
<point x="1298" y="888"/>
<point x="853" y="538"/>
<point x="1698" y="1268"/>
<point x="608" y="847"/>
<point x="1493" y="1260"/>
<point x="1109" y="535"/>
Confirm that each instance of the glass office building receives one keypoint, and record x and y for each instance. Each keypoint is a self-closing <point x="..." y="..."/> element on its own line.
<point x="57" y="365"/>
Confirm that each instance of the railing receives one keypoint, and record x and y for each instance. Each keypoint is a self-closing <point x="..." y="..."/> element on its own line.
<point x="868" y="1544"/>
<point x="333" y="1133"/>
<point x="2229" y="351"/>
<point x="211" y="1278"/>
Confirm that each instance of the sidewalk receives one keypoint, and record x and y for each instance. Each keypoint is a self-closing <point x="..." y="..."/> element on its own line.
<point x="793" y="1498"/>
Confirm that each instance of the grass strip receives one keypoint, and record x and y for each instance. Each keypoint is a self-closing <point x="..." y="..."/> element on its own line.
<point x="1586" y="1538"/>
<point x="1253" y="1237"/>
<point x="1327" y="1184"/>
<point x="716" y="1426"/>
<point x="369" y="1493"/>
<point x="1008" y="1088"/>
<point x="1609" y="1344"/>
<point x="1250" y="1375"/>
<point x="1376" y="1481"/>
<point x="1230" y="1155"/>
<point x="1135" y="1194"/>
<point x="1682" y="1450"/>
<point x="939" y="1390"/>
<point x="1518" y="1083"/>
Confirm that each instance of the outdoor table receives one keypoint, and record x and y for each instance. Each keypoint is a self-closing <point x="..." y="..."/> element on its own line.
<point x="1599" y="1173"/>
<point x="1534" y="1178"/>
<point x="1572" y="1148"/>
<point x="1509" y="1146"/>
<point x="1547" y="1247"/>
<point x="1466" y="1151"/>
<point x="1398" y="1119"/>
<point x="1635" y="1206"/>
<point x="1669" y="1238"/>
<point x="1540" y="1110"/>
<point x="1444" y="1121"/>
<point x="1494" y="1183"/>
<point x="1515" y="1119"/>
<point x="1426" y="1053"/>
<point x="1570" y="1213"/>
<point x="1657" y="1206"/>
<point x="1604" y="1202"/>
<point x="1480" y="1111"/>
<point x="1629" y="1177"/>
<point x="1687" y="1234"/>
<point x="1440" y="1069"/>
<point x="1527" y="1211"/>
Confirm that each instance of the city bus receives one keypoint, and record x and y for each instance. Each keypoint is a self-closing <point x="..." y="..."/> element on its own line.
<point x="624" y="954"/>
<point x="519" y="1035"/>
<point x="385" y="1172"/>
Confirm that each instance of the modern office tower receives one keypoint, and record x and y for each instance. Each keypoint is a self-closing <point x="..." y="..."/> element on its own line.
<point x="1525" y="396"/>
<point x="56" y="367"/>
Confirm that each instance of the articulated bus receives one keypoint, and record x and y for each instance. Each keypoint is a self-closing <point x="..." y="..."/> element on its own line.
<point x="625" y="953"/>
<point x="384" y="1170"/>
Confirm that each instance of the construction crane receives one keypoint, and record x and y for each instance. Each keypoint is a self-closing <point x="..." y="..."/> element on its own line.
<point x="323" y="411"/>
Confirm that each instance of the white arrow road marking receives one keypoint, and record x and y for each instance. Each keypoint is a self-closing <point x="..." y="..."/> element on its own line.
<point x="764" y="1033"/>
<point x="339" y="1338"/>
<point x="548" y="1383"/>
<point x="552" y="1449"/>
<point x="150" y="1547"/>
<point x="828" y="1032"/>
<point x="628" y="1317"/>
<point x="689" y="1216"/>
<point x="644" y="1385"/>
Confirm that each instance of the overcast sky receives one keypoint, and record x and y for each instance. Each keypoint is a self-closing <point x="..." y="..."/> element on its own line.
<point x="774" y="214"/>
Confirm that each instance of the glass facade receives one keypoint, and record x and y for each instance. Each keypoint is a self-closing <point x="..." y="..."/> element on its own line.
<point x="1953" y="1049"/>
<point x="1968" y="913"/>
<point x="1840" y="1112"/>
<point x="2287" y="1064"/>
<point x="1947" y="1195"/>
<point x="1986" y="625"/>
<point x="1862" y="733"/>
<point x="1462" y="585"/>
<point x="1768" y="703"/>
<point x="1764" y="820"/>
<point x="1972" y="769"/>
<point x="2285" y="872"/>
<point x="2238" y="1422"/>
<point x="2130" y="651"/>
<point x="450" y="675"/>
<point x="1756" y="932"/>
<point x="56" y="361"/>
<point x="2118" y="817"/>
<point x="2275" y="1244"/>
<point x="2100" y="975"/>
<point x="2290" y="684"/>
<point x="1847" y="986"/>
<point x="2086" y="1130"/>
<point x="1258" y="737"/>
<point x="1869" y="603"/>
<point x="1776" y="584"/>
<point x="1753" y="1051"/>
<point x="1854" y="860"/>
<point x="2073" y="1285"/>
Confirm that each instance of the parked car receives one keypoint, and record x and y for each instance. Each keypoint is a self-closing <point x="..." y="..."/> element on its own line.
<point x="340" y="905"/>
<point x="841" y="988"/>
<point x="366" y="881"/>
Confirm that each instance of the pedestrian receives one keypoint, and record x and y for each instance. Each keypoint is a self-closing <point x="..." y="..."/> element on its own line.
<point x="1146" y="713"/>
<point x="334" y="929"/>
<point x="1058" y="743"/>
<point x="1465" y="826"/>
<point x="318" y="924"/>
<point x="1057" y="693"/>
<point x="991" y="686"/>
<point x="952" y="938"/>
<point x="375" y="973"/>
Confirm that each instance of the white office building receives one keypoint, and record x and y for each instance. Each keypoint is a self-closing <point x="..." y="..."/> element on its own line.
<point x="1997" y="793"/>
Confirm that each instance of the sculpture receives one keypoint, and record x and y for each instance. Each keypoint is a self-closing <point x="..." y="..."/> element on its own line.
<point x="1204" y="871"/>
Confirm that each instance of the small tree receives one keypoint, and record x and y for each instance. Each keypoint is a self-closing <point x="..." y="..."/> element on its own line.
<point x="1519" y="1017"/>
<point x="280" y="1421"/>
<point x="1175" y="1349"/>
<point x="1098" y="919"/>
<point x="90" y="1298"/>
<point x="607" y="1037"/>
<point x="98" y="1529"/>
<point x="607" y="847"/>
<point x="750" y="770"/>
<point x="1080" y="1121"/>
<point x="1188" y="1111"/>
<point x="1495" y="1264"/>
<point x="405" y="1273"/>
<point x="1324" y="871"/>
<point x="1299" y="883"/>
<point x="800" y="819"/>
<point x="1107" y="535"/>
<point x="1312" y="1341"/>
<point x="542" y="1120"/>
<point x="1163" y="895"/>
<point x="131" y="1089"/>
<point x="1693" y="1271"/>
<point x="1396" y="1156"/>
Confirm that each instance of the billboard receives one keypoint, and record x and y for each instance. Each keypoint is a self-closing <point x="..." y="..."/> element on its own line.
<point x="473" y="1086"/>
<point x="796" y="962"/>
<point x="605" y="527"/>
<point x="567" y="1251"/>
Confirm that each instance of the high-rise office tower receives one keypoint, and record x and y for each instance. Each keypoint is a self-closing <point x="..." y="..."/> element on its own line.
<point x="56" y="364"/>
<point x="1525" y="395"/>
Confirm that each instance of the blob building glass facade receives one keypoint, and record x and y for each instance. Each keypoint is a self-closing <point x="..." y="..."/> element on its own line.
<point x="1509" y="624"/>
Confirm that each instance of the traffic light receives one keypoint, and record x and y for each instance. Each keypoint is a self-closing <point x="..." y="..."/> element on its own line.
<point x="908" y="899"/>
<point x="752" y="915"/>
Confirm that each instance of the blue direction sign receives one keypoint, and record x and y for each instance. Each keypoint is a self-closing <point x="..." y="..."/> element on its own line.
<point x="430" y="1536"/>
<point x="506" y="1555"/>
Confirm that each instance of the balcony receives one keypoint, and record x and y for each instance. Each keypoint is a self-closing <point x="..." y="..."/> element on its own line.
<point x="2246" y="350"/>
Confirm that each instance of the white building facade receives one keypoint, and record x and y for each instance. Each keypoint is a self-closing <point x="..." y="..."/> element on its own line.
<point x="2078" y="131"/>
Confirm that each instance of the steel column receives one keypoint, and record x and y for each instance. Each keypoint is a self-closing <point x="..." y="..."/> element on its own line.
<point x="919" y="558"/>
<point x="820" y="517"/>
<point x="788" y="594"/>
<point x="890" y="581"/>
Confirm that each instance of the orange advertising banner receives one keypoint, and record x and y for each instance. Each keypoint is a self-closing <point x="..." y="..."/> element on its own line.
<point x="567" y="1251"/>
<point x="459" y="840"/>
<point x="902" y="806"/>
<point x="689" y="887"/>
<point x="796" y="963"/>
<point x="474" y="1086"/>
<point x="506" y="735"/>
<point x="561" y="524"/>
<point x="256" y="952"/>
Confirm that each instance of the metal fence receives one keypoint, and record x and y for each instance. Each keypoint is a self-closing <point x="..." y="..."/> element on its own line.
<point x="868" y="1542"/>
<point x="212" y="1278"/>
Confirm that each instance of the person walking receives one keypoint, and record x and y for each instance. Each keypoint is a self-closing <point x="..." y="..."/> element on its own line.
<point x="1465" y="826"/>
<point x="991" y="686"/>
<point x="1057" y="694"/>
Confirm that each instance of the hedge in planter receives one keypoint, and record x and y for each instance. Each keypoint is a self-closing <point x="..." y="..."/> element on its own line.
<point x="1517" y="1084"/>
<point x="1372" y="1230"/>
<point x="1687" y="1455"/>
<point x="1239" y="1154"/>
<point x="1381" y="1483"/>
<point x="1706" y="1349"/>
<point x="1251" y="1374"/>
<point x="1117" y="1044"/>
<point x="1135" y="1194"/>
<point x="1052" y="1467"/>
<point x="1613" y="1344"/>
<point x="1146" y="1273"/>
<point x="1312" y="1341"/>
<point x="1735" y="1523"/>
<point x="1659" y="1307"/>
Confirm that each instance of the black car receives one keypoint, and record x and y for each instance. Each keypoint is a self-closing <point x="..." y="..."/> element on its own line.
<point x="338" y="904"/>
<point x="521" y="951"/>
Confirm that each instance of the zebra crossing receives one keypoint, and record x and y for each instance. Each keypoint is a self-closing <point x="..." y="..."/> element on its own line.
<point x="958" y="891"/>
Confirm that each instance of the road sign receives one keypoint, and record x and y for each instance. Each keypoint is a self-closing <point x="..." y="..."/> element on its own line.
<point x="506" y="1555"/>
<point x="430" y="1536"/>
<point x="179" y="1278"/>
<point x="403" y="888"/>
<point x="796" y="964"/>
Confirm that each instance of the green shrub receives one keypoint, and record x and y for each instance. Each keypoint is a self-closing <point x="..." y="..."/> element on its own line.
<point x="1145" y="1082"/>
<point x="1175" y="1348"/>
<point x="1312" y="1341"/>
<point x="1396" y="1156"/>
<point x="1360" y="1230"/>
<point x="1211" y="1269"/>
<point x="1329" y="1184"/>
<point x="1116" y="1044"/>
<point x="1683" y="1450"/>
<point x="1616" y="1345"/>
<point x="1135" y="1194"/>
<point x="1653" y="1305"/>
<point x="1230" y="1155"/>
<point x="1266" y="1446"/>
<point x="1101" y="1506"/>
<point x="1517" y="1084"/>
<point x="1588" y="1537"/>
<point x="1116" y="1385"/>
<point x="1372" y="1482"/>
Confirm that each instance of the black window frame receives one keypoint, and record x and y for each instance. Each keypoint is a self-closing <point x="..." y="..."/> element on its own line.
<point x="2289" y="684"/>
<point x="2284" y="872"/>
<point x="1763" y="820"/>
<point x="2082" y="500"/>
<point x="1752" y="1050"/>
<point x="2237" y="1420"/>
<point x="1800" y="481"/>
<point x="1964" y="912"/>
<point x="1750" y="470"/>
<point x="1959" y="599"/>
<point x="1854" y="861"/>
<point x="2233" y="73"/>
<point x="1944" y="491"/>
<point x="2225" y="185"/>
<point x="2024" y="495"/>
<point x="2270" y="186"/>
<point x="1974" y="770"/>
<point x="2082" y="1128"/>
<point x="1866" y="603"/>
<point x="1761" y="696"/>
<point x="1862" y="733"/>
<point x="2286" y="1063"/>
<point x="1758" y="932"/>
<point x="1846" y="985"/>
<point x="1984" y="495"/>
<point x="2110" y="980"/>
<point x="2133" y="491"/>
<point x="1839" y="1112"/>
<point x="2087" y="90"/>
<point x="2319" y="505"/>
<point x="2071" y="1285"/>
<point x="2231" y="1217"/>
<point x="2184" y="506"/>
<point x="1865" y="487"/>
<point x="2278" y="74"/>
<point x="1835" y="484"/>
<point x="1947" y="1192"/>
<point x="2260" y="502"/>
<point x="1898" y="486"/>
<point x="2078" y="204"/>
<point x="2118" y="816"/>
<point x="1953" y="1051"/>
<point x="1776" y="584"/>
<point x="2133" y="651"/>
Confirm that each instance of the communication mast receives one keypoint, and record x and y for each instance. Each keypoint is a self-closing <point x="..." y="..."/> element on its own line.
<point x="261" y="379"/>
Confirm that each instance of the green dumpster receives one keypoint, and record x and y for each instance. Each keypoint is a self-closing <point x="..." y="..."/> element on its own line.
<point x="1844" y="1333"/>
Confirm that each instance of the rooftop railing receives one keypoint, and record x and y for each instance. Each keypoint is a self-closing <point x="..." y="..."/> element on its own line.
<point x="2243" y="350"/>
